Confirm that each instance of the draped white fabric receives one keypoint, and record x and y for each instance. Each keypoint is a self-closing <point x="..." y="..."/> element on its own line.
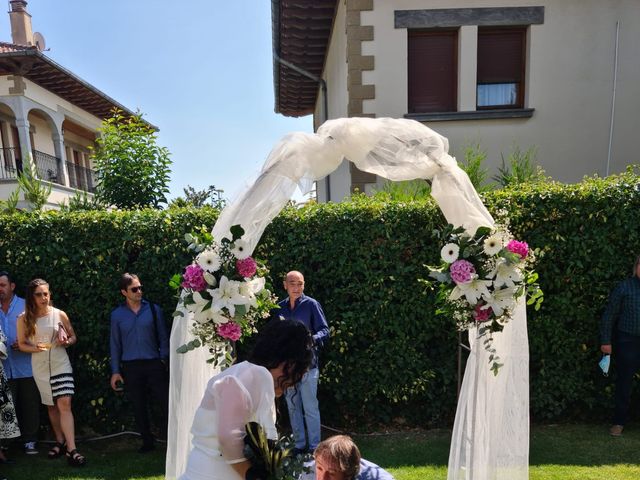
<point x="491" y="431"/>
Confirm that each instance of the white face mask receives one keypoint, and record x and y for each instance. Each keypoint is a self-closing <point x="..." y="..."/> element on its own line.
<point x="604" y="364"/>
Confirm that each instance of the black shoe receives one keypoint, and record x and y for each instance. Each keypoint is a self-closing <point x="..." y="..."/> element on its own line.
<point x="146" y="448"/>
<point x="6" y="461"/>
<point x="298" y="451"/>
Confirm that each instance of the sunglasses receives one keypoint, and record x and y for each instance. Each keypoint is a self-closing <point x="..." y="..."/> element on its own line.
<point x="136" y="289"/>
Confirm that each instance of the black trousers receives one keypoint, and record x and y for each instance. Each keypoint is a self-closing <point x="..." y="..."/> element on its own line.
<point x="26" y="399"/>
<point x="147" y="382"/>
<point x="627" y="357"/>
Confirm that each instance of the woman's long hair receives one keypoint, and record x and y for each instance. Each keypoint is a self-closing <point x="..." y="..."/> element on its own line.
<point x="288" y="342"/>
<point x="30" y="308"/>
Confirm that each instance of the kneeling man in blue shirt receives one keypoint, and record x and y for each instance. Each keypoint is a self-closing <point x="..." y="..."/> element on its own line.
<point x="338" y="458"/>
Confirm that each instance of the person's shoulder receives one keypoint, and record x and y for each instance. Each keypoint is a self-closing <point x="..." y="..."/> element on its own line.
<point x="117" y="309"/>
<point x="371" y="471"/>
<point x="308" y="299"/>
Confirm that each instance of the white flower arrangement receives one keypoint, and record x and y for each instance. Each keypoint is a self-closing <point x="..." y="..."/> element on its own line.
<point x="225" y="290"/>
<point x="481" y="278"/>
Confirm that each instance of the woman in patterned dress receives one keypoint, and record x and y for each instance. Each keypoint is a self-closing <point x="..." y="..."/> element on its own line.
<point x="8" y="420"/>
<point x="38" y="334"/>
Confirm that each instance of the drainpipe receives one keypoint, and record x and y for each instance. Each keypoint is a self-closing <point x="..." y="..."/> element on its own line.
<point x="325" y="104"/>
<point x="613" y="97"/>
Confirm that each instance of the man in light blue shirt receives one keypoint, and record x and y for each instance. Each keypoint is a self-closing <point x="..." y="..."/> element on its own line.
<point x="338" y="458"/>
<point x="17" y="366"/>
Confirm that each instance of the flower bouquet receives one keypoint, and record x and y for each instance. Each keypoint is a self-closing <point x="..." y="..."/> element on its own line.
<point x="271" y="459"/>
<point x="481" y="278"/>
<point x="224" y="288"/>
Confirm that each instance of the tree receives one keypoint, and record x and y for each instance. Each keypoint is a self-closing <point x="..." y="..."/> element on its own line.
<point x="199" y="198"/>
<point x="132" y="170"/>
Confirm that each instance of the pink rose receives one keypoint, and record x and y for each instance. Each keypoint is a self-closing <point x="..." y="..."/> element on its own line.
<point x="519" y="248"/>
<point x="246" y="267"/>
<point x="193" y="278"/>
<point x="482" y="314"/>
<point x="230" y="330"/>
<point x="461" y="271"/>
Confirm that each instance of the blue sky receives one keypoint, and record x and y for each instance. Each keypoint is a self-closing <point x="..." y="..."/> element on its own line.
<point x="201" y="70"/>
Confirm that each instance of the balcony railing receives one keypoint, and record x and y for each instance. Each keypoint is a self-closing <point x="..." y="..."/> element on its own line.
<point x="10" y="163"/>
<point x="81" y="178"/>
<point x="47" y="167"/>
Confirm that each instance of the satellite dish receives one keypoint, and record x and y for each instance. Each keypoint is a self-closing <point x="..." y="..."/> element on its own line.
<point x="38" y="40"/>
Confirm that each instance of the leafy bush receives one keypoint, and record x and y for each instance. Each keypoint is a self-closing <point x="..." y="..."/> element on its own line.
<point x="390" y="359"/>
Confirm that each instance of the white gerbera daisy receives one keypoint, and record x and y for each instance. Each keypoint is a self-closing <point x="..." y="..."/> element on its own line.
<point x="450" y="252"/>
<point x="208" y="260"/>
<point x="493" y="244"/>
<point x="240" y="249"/>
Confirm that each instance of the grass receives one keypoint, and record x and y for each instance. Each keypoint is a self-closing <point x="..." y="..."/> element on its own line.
<point x="566" y="452"/>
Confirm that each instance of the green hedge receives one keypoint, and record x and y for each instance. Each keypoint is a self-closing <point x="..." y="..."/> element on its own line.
<point x="390" y="360"/>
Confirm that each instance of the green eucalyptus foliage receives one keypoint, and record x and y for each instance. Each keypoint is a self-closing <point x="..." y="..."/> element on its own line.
<point x="390" y="358"/>
<point x="132" y="169"/>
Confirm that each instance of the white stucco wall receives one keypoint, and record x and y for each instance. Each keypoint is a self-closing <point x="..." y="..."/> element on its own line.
<point x="335" y="74"/>
<point x="41" y="135"/>
<point x="53" y="102"/>
<point x="570" y="68"/>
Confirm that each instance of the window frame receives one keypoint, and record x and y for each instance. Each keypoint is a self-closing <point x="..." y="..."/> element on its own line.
<point x="433" y="32"/>
<point x="522" y="84"/>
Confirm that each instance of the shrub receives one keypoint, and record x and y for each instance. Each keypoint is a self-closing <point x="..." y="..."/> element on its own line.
<point x="390" y="357"/>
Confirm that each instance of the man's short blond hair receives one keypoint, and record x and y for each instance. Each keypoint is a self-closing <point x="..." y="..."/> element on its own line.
<point x="342" y="453"/>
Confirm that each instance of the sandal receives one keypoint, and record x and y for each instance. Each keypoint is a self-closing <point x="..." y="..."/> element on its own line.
<point x="57" y="450"/>
<point x="75" y="459"/>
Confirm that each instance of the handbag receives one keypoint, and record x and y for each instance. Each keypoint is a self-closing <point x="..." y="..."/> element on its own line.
<point x="62" y="334"/>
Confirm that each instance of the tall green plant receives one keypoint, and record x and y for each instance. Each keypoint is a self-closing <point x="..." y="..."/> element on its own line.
<point x="132" y="170"/>
<point x="36" y="192"/>
<point x="520" y="167"/>
<point x="10" y="205"/>
<point x="406" y="191"/>
<point x="473" y="165"/>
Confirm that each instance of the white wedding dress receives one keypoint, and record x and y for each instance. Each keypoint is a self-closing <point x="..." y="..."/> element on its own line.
<point x="242" y="393"/>
<point x="491" y="432"/>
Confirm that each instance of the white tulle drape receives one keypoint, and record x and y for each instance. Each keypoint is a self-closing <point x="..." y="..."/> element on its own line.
<point x="491" y="432"/>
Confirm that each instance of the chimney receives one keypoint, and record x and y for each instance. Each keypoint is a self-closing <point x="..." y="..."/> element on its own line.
<point x="21" y="32"/>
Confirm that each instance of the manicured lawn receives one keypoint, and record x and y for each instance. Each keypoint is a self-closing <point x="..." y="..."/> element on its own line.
<point x="565" y="452"/>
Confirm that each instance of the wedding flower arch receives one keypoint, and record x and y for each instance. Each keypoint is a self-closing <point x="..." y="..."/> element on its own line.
<point x="491" y="430"/>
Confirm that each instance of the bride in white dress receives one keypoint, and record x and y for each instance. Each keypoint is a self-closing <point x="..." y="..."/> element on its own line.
<point x="244" y="393"/>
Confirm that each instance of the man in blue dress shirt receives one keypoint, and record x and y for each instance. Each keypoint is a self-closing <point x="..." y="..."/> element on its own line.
<point x="139" y="356"/>
<point x="302" y="400"/>
<point x="17" y="366"/>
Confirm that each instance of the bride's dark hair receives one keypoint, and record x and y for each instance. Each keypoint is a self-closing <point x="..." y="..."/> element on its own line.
<point x="284" y="341"/>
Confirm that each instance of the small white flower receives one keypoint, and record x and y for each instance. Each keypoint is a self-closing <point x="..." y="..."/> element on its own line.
<point x="227" y="296"/>
<point x="240" y="249"/>
<point x="506" y="274"/>
<point x="493" y="244"/>
<point x="209" y="260"/>
<point x="472" y="291"/>
<point x="449" y="252"/>
<point x="501" y="300"/>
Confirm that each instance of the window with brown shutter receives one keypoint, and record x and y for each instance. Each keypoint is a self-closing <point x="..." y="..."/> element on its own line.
<point x="433" y="71"/>
<point x="501" y="64"/>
